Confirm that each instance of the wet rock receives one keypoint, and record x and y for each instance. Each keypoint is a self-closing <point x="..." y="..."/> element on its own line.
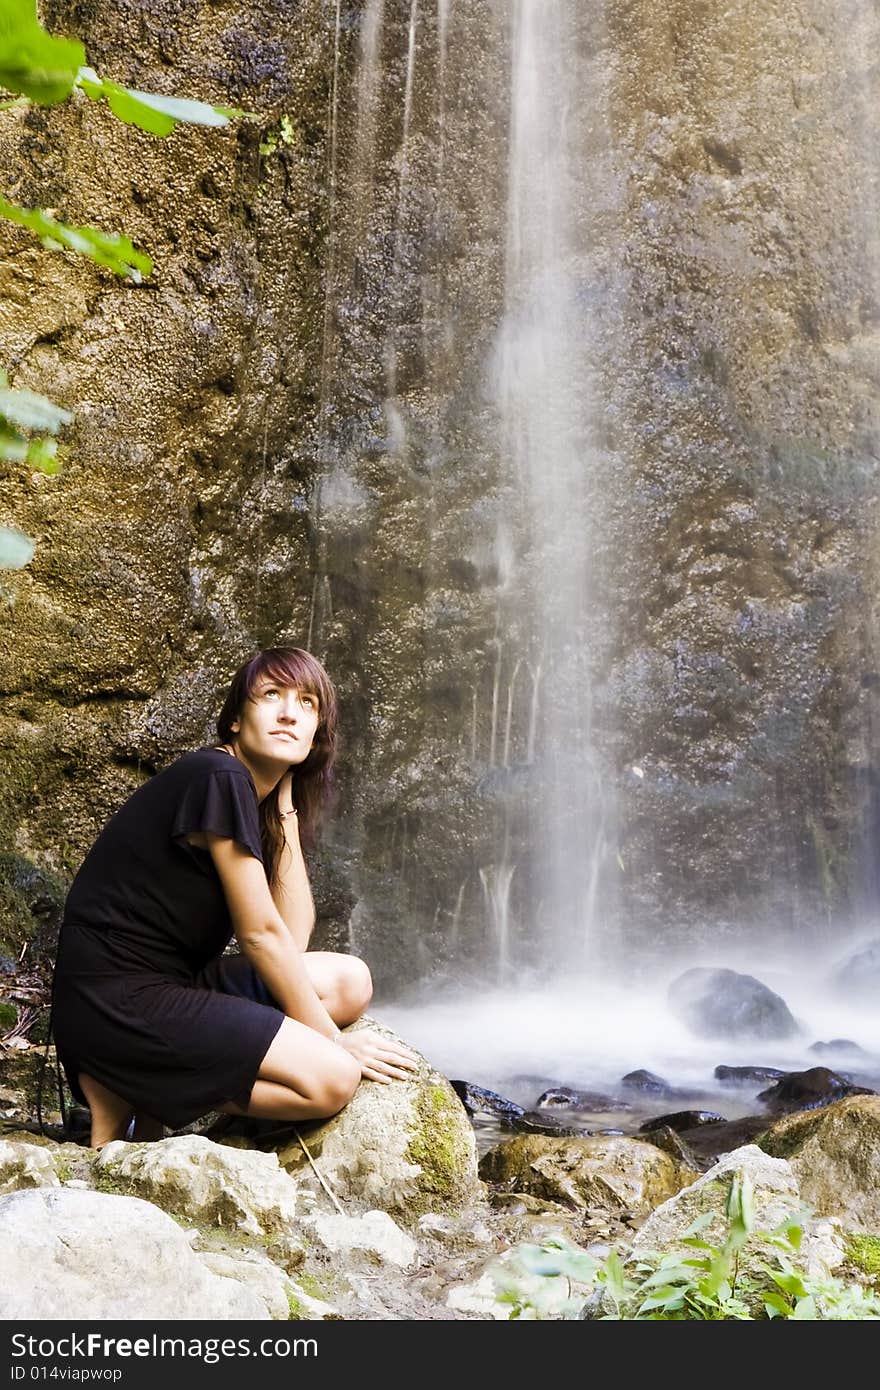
<point x="838" y="1045"/>
<point x="649" y="1084"/>
<point x="708" y="1143"/>
<point x="479" y="1101"/>
<point x="665" y="1138"/>
<point x="858" y="975"/>
<point x="741" y="1076"/>
<point x="809" y="1090"/>
<point x="683" y="1119"/>
<point x="589" y="1102"/>
<point x="538" y="1122"/>
<point x="835" y="1155"/>
<point x="724" y="1004"/>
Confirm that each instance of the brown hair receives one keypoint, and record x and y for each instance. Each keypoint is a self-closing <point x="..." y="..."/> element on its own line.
<point x="313" y="778"/>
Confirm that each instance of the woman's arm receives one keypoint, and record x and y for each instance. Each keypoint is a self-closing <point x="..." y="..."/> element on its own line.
<point x="292" y="893"/>
<point x="265" y="937"/>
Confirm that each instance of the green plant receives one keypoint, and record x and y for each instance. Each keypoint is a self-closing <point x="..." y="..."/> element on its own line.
<point x="715" y="1282"/>
<point x="46" y="69"/>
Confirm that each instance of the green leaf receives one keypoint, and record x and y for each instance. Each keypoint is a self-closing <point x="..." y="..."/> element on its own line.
<point x="805" y="1309"/>
<point x="105" y="248"/>
<point x="747" y="1202"/>
<point x="32" y="412"/>
<point x="699" y="1223"/>
<point x="16" y="549"/>
<point x="150" y="111"/>
<point x="13" y="446"/>
<point x="43" y="455"/>
<point x="33" y="63"/>
<point x="776" y="1306"/>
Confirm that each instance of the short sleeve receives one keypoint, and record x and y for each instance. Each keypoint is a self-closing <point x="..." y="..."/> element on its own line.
<point x="223" y="803"/>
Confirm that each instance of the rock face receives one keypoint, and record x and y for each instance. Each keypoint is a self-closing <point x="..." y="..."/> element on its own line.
<point x="117" y="1257"/>
<point x="610" y="1173"/>
<point x="835" y="1154"/>
<point x="287" y="434"/>
<point x="724" y="1004"/>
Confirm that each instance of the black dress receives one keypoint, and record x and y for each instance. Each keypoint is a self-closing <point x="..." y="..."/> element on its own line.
<point x="143" y="999"/>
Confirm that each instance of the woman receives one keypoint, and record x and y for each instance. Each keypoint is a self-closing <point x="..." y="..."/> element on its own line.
<point x="149" y="1017"/>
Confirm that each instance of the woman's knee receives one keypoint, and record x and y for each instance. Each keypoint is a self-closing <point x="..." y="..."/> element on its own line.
<point x="336" y="1086"/>
<point x="356" y="985"/>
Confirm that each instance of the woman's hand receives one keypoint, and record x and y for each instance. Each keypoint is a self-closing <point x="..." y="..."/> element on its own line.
<point x="380" y="1058"/>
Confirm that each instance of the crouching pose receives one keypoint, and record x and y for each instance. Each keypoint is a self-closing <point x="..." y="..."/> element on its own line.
<point x="151" y="1019"/>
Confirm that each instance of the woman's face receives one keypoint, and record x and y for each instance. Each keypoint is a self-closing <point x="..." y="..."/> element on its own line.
<point x="277" y="724"/>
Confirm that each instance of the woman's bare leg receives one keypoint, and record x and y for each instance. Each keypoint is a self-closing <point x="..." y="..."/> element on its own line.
<point x="111" y="1114"/>
<point x="342" y="983"/>
<point x="303" y="1076"/>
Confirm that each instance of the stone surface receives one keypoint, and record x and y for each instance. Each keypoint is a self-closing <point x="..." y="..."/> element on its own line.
<point x="406" y="1148"/>
<point x="71" y="1255"/>
<point x="270" y="1284"/>
<point x="716" y="1003"/>
<point x="26" y="1165"/>
<point x="237" y="1188"/>
<point x="835" y="1155"/>
<point x="776" y="1198"/>
<point x="374" y="1233"/>
<point x="808" y="1090"/>
<point x="617" y="1174"/>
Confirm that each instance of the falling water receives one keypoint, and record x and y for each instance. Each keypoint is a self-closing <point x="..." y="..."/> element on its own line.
<point x="543" y="371"/>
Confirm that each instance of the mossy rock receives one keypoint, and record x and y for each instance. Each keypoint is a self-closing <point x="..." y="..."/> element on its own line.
<point x="863" y="1253"/>
<point x="407" y="1148"/>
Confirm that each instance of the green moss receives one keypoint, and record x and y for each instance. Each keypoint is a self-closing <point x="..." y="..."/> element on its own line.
<point x="310" y="1285"/>
<point x="864" y="1253"/>
<point x="437" y="1145"/>
<point x="296" y="1311"/>
<point x="8" y="1016"/>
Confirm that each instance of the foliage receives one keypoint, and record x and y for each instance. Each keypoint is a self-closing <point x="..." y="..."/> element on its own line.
<point x="46" y="69"/>
<point x="713" y="1283"/>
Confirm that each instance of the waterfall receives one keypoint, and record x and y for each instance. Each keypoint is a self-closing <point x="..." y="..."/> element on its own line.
<point x="542" y="382"/>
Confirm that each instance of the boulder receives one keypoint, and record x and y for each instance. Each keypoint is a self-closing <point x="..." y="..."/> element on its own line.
<point x="210" y="1183"/>
<point x="716" y="1003"/>
<point x="858" y="974"/>
<point x="614" y="1174"/>
<point x="70" y="1255"/>
<point x="406" y="1148"/>
<point x="373" y="1233"/>
<point x="776" y="1199"/>
<point x="835" y="1154"/>
<point x="808" y="1090"/>
<point x="26" y="1165"/>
